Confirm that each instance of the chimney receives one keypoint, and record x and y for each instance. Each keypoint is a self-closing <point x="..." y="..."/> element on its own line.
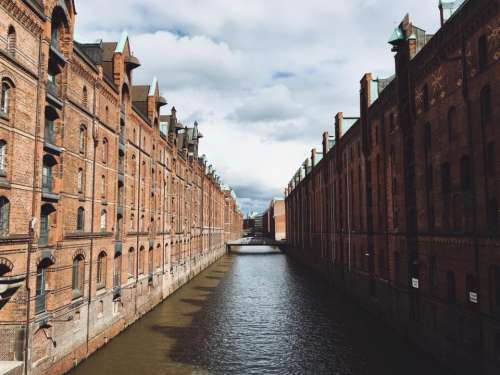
<point x="325" y="143"/>
<point x="313" y="158"/>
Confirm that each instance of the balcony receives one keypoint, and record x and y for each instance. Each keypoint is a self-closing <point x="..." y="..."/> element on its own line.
<point x="53" y="94"/>
<point x="40" y="303"/>
<point x="50" y="141"/>
<point x="48" y="193"/>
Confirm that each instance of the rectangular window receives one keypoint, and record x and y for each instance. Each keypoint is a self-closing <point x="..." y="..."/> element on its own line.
<point x="483" y="52"/>
<point x="445" y="178"/>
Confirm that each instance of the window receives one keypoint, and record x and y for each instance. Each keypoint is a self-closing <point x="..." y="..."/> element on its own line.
<point x="141" y="260"/>
<point x="103" y="220"/>
<point x="40" y="296"/>
<point x="485" y="102"/>
<point x="465" y="175"/>
<point x="85" y="97"/>
<point x="432" y="272"/>
<point x="150" y="260"/>
<point x="82" y="139"/>
<point x="4" y="216"/>
<point x="46" y="211"/>
<point x="117" y="270"/>
<point x="482" y="45"/>
<point x="11" y="41"/>
<point x="80" y="219"/>
<point x="47" y="176"/>
<point x="425" y="97"/>
<point x="103" y="186"/>
<point x="490" y="159"/>
<point x="3" y="156"/>
<point x="79" y="180"/>
<point x="445" y="178"/>
<point x="105" y="150"/>
<point x="450" y="287"/>
<point x="4" y="98"/>
<point x="78" y="276"/>
<point x="101" y="270"/>
<point x="452" y="121"/>
<point x="131" y="262"/>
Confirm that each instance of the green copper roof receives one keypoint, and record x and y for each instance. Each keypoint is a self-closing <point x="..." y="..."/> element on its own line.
<point x="396" y="36"/>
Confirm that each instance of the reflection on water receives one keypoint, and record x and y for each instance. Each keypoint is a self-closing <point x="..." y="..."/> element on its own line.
<point x="259" y="314"/>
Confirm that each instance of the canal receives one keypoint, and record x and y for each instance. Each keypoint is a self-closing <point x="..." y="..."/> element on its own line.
<point x="258" y="313"/>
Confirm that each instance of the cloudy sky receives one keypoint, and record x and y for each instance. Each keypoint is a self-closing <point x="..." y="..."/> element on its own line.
<point x="263" y="78"/>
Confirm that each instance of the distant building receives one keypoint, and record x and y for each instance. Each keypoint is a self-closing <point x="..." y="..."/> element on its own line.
<point x="274" y="220"/>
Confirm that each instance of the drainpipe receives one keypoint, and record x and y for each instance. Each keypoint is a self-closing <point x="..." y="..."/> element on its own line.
<point x="138" y="222"/>
<point x="95" y="139"/>
<point x="33" y="208"/>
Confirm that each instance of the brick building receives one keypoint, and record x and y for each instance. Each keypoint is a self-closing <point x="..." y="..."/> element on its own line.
<point x="106" y="207"/>
<point x="400" y="207"/>
<point x="275" y="221"/>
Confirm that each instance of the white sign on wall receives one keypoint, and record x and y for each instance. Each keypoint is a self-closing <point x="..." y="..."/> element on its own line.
<point x="414" y="282"/>
<point x="473" y="297"/>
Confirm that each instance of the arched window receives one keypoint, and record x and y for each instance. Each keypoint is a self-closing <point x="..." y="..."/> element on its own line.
<point x="103" y="220"/>
<point x="85" y="96"/>
<point x="82" y="138"/>
<point x="4" y="216"/>
<point x="3" y="156"/>
<point x="486" y="108"/>
<point x="105" y="150"/>
<point x="11" y="41"/>
<point x="101" y="270"/>
<point x="5" y="97"/>
<point x="78" y="277"/>
<point x="452" y="122"/>
<point x="106" y="116"/>
<point x="79" y="180"/>
<point x="141" y="260"/>
<point x="80" y="219"/>
<point x="132" y="222"/>
<point x="131" y="262"/>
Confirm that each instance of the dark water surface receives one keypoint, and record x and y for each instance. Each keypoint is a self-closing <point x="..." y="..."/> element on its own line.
<point x="258" y="314"/>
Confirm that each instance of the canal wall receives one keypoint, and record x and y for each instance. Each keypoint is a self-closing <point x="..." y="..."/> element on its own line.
<point x="392" y="305"/>
<point x="137" y="300"/>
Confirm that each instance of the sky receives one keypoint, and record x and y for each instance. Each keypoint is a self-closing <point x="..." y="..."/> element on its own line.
<point x="263" y="78"/>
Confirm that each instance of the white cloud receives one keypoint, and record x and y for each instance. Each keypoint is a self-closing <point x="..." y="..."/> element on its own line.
<point x="264" y="77"/>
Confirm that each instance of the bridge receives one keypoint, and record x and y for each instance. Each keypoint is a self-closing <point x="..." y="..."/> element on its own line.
<point x="255" y="242"/>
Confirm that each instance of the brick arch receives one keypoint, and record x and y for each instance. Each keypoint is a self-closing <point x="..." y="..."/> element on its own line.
<point x="50" y="257"/>
<point x="79" y="252"/>
<point x="7" y="75"/>
<point x="6" y="263"/>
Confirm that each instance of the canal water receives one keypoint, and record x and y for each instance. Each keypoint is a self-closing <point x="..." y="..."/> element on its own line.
<point x="258" y="312"/>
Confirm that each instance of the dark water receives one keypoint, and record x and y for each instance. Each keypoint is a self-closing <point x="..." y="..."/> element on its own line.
<point x="258" y="314"/>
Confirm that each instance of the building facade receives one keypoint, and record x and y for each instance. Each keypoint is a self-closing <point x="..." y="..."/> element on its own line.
<point x="400" y="207"/>
<point x="106" y="207"/>
<point x="275" y="221"/>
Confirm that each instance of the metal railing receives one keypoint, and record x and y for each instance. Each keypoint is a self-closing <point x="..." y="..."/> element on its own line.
<point x="52" y="89"/>
<point x="47" y="183"/>
<point x="49" y="134"/>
